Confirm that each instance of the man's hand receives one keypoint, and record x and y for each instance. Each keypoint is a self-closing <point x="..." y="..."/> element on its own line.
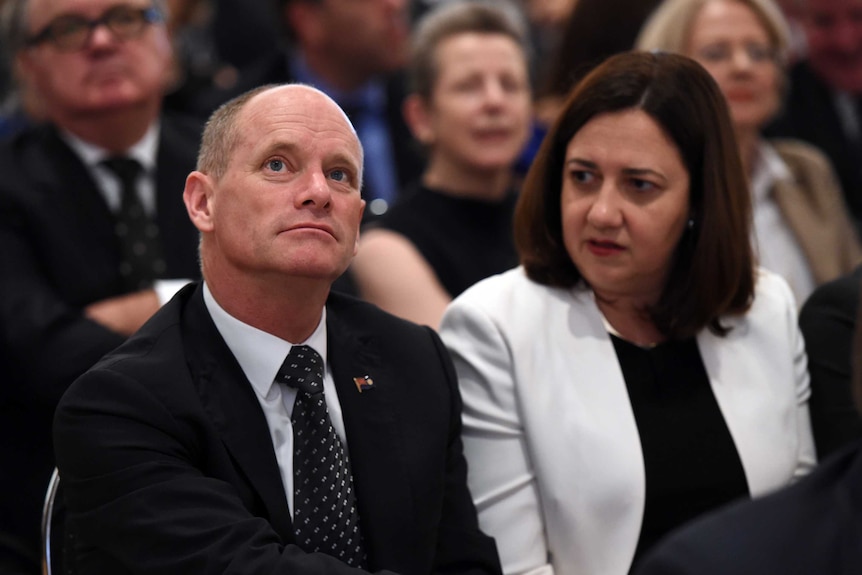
<point x="126" y="313"/>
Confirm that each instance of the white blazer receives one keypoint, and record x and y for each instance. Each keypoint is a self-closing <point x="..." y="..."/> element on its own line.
<point x="555" y="462"/>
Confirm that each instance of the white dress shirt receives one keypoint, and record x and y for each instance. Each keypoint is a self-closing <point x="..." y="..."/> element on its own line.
<point x="260" y="355"/>
<point x="109" y="185"/>
<point x="774" y="242"/>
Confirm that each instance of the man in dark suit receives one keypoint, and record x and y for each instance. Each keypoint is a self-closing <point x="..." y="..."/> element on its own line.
<point x="813" y="526"/>
<point x="827" y="321"/>
<point x="824" y="101"/>
<point x="69" y="292"/>
<point x="355" y="52"/>
<point x="186" y="450"/>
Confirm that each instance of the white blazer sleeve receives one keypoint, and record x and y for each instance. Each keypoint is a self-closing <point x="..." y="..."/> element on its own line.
<point x="500" y="476"/>
<point x="807" y="457"/>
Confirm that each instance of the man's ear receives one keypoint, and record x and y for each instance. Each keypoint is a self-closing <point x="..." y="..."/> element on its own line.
<point x="356" y="243"/>
<point x="417" y="114"/>
<point x="199" y="199"/>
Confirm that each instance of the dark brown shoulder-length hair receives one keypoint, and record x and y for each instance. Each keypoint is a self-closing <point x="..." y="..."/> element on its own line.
<point x="713" y="271"/>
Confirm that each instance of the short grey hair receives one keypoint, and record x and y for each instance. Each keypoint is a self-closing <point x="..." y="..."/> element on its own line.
<point x="13" y="25"/>
<point x="221" y="134"/>
<point x="461" y="17"/>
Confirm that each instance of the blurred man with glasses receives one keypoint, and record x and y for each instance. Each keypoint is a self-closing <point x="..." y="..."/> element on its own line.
<point x="824" y="101"/>
<point x="93" y="231"/>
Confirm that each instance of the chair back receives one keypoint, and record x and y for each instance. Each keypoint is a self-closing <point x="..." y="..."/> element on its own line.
<point x="55" y="540"/>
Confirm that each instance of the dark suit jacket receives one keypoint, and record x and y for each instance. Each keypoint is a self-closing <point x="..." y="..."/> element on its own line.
<point x="828" y="322"/>
<point x="813" y="527"/>
<point x="58" y="253"/>
<point x="168" y="463"/>
<point x="809" y="114"/>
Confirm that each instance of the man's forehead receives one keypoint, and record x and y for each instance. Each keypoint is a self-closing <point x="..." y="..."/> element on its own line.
<point x="299" y="106"/>
<point x="287" y="116"/>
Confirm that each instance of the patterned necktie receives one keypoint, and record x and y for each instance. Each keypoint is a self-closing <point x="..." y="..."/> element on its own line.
<point x="141" y="258"/>
<point x="325" y="517"/>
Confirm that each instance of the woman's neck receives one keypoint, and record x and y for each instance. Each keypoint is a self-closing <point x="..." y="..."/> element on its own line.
<point x="630" y="318"/>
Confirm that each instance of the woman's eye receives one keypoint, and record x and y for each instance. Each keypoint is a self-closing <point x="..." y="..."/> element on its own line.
<point x="715" y="53"/>
<point x="275" y="165"/>
<point x="643" y="185"/>
<point x="582" y="177"/>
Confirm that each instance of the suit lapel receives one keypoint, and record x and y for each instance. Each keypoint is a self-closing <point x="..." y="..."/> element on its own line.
<point x="232" y="405"/>
<point x="71" y="193"/>
<point x="812" y="234"/>
<point x="377" y="454"/>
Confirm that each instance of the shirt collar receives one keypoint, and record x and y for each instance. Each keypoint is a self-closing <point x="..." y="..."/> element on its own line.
<point x="144" y="151"/>
<point x="768" y="169"/>
<point x="259" y="354"/>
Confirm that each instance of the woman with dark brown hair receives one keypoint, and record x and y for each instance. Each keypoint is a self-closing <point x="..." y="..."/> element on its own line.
<point x="637" y="370"/>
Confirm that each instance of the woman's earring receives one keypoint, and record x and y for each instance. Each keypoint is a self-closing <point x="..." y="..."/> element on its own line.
<point x="690" y="223"/>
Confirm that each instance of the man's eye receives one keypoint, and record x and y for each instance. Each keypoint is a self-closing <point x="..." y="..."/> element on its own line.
<point x="338" y="175"/>
<point x="67" y="27"/>
<point x="275" y="165"/>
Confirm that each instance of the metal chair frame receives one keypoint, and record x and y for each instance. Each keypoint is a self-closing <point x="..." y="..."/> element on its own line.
<point x="47" y="514"/>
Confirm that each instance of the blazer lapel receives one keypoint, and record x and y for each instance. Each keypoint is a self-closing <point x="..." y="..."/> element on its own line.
<point x="814" y="236"/>
<point x="230" y="402"/>
<point x="375" y="447"/>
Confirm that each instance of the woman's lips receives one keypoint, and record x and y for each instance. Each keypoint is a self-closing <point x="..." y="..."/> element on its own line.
<point x="741" y="95"/>
<point x="603" y="248"/>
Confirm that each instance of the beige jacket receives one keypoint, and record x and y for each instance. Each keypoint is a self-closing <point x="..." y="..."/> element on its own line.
<point x="814" y="208"/>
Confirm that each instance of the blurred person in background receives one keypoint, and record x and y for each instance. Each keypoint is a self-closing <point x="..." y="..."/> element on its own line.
<point x="594" y="31"/>
<point x="637" y="370"/>
<point x="828" y="320"/>
<point x="93" y="229"/>
<point x="354" y="51"/>
<point x="802" y="229"/>
<point x="824" y="100"/>
<point x="470" y="107"/>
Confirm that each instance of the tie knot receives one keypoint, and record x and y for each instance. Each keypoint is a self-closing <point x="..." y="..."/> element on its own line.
<point x="125" y="168"/>
<point x="303" y="369"/>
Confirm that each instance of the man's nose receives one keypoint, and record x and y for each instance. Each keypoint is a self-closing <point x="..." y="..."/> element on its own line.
<point x="314" y="190"/>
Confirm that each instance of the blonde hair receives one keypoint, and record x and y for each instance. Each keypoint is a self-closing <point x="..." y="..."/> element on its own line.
<point x="669" y="27"/>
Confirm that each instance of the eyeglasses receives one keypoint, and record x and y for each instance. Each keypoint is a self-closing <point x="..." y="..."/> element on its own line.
<point x="756" y="53"/>
<point x="71" y="33"/>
